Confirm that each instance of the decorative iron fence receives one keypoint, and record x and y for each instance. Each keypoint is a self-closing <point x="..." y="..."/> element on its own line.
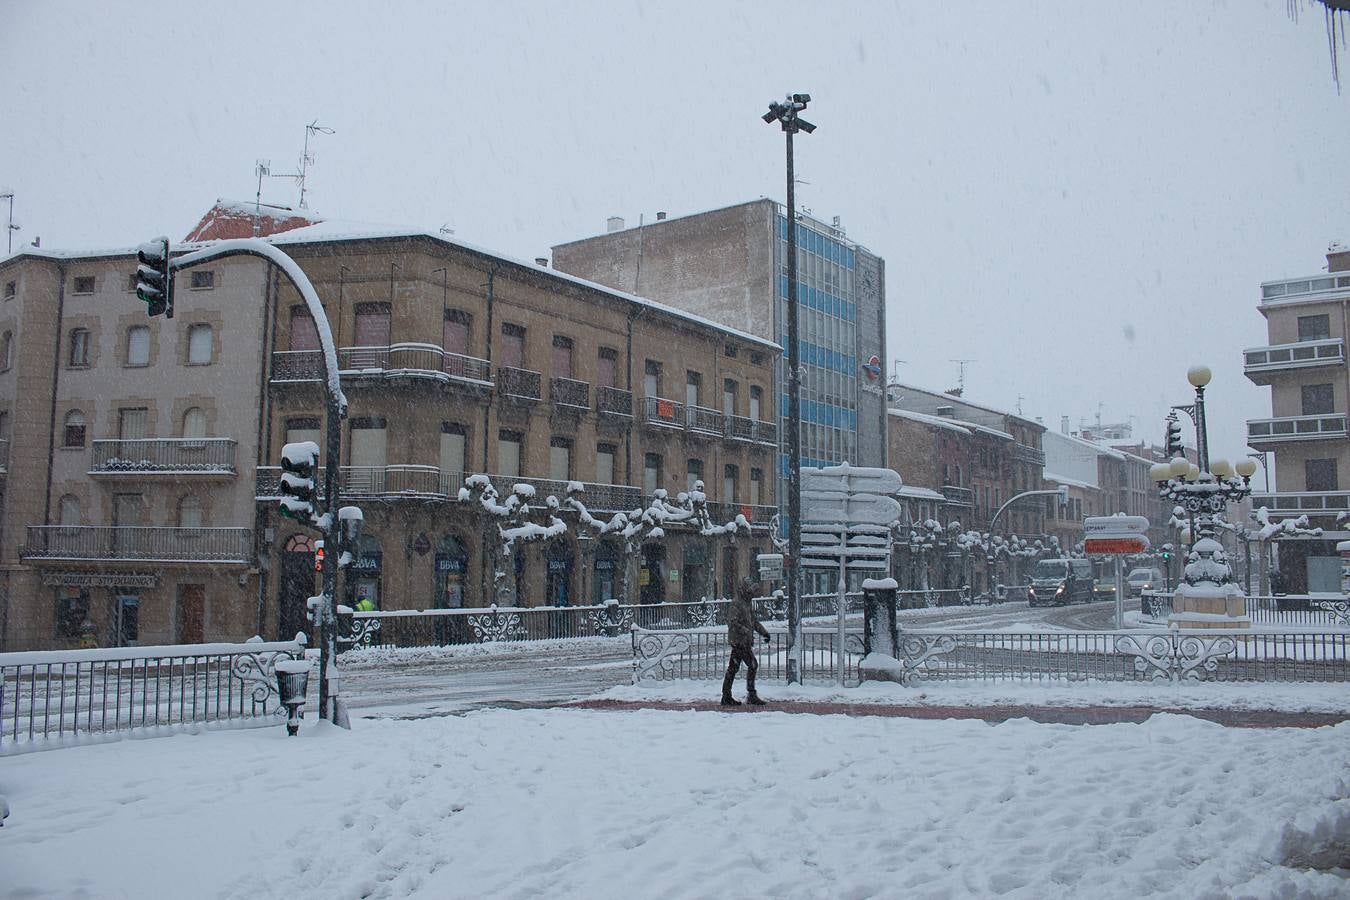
<point x="519" y="383"/>
<point x="1025" y="656"/>
<point x="569" y="392"/>
<point x="208" y="456"/>
<point x="1285" y="609"/>
<point x="140" y="543"/>
<point x="613" y="401"/>
<point x="48" y="696"/>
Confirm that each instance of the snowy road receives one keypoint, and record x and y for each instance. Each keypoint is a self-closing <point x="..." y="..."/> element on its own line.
<point x="454" y="680"/>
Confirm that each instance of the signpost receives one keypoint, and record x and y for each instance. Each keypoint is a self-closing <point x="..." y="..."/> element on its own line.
<point x="847" y="513"/>
<point x="1116" y="536"/>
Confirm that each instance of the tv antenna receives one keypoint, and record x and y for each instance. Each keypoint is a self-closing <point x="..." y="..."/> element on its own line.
<point x="895" y="369"/>
<point x="306" y="160"/>
<point x="12" y="226"/>
<point x="961" y="373"/>
<point x="1020" y="398"/>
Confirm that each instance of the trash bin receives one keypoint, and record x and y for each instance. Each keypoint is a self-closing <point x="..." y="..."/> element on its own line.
<point x="292" y="685"/>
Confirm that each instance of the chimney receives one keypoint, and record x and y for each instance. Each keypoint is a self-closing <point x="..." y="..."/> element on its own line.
<point x="1063" y="424"/>
<point x="661" y="216"/>
<point x="615" y="223"/>
<point x="37" y="241"/>
<point x="541" y="261"/>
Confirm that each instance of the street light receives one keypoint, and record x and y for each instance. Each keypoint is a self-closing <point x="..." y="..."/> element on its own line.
<point x="786" y="114"/>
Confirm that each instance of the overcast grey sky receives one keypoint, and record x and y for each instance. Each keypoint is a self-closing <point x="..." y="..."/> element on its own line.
<point x="1058" y="189"/>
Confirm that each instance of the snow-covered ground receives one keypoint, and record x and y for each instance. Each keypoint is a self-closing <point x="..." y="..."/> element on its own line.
<point x="573" y="803"/>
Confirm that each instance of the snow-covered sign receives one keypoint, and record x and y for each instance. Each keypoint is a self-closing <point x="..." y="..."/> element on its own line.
<point x="851" y="480"/>
<point x="857" y="546"/>
<point x="837" y="507"/>
<point x="770" y="566"/>
<point x="1103" y="525"/>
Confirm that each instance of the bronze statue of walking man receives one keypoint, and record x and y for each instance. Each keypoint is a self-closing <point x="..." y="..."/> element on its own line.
<point x="741" y="628"/>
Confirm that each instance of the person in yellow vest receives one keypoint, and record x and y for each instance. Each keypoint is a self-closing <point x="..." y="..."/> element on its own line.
<point x="365" y="604"/>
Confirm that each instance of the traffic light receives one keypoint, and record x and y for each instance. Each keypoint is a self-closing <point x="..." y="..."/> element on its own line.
<point x="299" y="462"/>
<point x="1173" y="446"/>
<point x="154" y="281"/>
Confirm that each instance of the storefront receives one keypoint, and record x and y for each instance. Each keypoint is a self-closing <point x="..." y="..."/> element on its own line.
<point x="558" y="557"/>
<point x="452" y="566"/>
<point x="607" y="573"/>
<point x="76" y="594"/>
<point x="363" y="576"/>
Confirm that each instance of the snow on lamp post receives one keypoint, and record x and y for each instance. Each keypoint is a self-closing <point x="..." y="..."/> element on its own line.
<point x="1207" y="596"/>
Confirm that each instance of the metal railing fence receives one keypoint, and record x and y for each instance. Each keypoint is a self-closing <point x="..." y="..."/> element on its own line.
<point x="47" y="696"/>
<point x="1282" y="609"/>
<point x="703" y="653"/>
<point x="139" y="543"/>
<point x="176" y="455"/>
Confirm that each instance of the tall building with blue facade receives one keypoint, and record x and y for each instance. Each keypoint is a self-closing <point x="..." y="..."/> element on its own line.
<point x="730" y="265"/>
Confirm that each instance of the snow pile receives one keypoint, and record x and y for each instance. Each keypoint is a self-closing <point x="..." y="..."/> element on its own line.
<point x="567" y="803"/>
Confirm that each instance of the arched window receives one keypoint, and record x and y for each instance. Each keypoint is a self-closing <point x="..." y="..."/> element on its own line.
<point x="70" y="510"/>
<point x="73" y="433"/>
<point x="190" y="512"/>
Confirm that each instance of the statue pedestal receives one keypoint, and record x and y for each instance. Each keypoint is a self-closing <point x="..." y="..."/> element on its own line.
<point x="1209" y="606"/>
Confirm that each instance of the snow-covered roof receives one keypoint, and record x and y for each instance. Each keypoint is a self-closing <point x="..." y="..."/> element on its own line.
<point x="1099" y="449"/>
<point x="959" y="401"/>
<point x="939" y="421"/>
<point x="1071" y="482"/>
<point x="921" y="493"/>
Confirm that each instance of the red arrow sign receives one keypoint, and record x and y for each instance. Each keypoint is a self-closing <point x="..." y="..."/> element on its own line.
<point x="1112" y="546"/>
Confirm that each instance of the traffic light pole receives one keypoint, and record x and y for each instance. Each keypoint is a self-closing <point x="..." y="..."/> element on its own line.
<point x="337" y="411"/>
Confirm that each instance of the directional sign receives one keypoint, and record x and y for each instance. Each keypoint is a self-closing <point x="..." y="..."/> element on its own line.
<point x="770" y="566"/>
<point x="851" y="479"/>
<point x="834" y="506"/>
<point x="1095" y="525"/>
<point x="1115" y="545"/>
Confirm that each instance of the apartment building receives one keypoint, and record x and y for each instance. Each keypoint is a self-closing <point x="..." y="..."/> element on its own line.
<point x="141" y="497"/>
<point x="1304" y="366"/>
<point x="730" y="265"/>
<point x="998" y="457"/>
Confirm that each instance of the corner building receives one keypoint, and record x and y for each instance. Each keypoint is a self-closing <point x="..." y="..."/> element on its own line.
<point x="141" y="453"/>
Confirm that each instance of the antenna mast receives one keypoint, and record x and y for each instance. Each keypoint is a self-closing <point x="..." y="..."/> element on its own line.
<point x="961" y="374"/>
<point x="11" y="227"/>
<point x="306" y="160"/>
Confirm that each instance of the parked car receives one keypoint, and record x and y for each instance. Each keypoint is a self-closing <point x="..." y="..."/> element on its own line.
<point x="1056" y="582"/>
<point x="1140" y="580"/>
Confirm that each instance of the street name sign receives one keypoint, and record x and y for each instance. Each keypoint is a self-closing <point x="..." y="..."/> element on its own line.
<point x="1103" y="525"/>
<point x="1115" y="545"/>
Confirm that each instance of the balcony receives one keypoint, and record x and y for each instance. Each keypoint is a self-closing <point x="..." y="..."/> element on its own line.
<point x="1315" y="287"/>
<point x="757" y="515"/>
<point x="958" y="496"/>
<point x="704" y="421"/>
<point x="611" y="401"/>
<point x="519" y="384"/>
<point x="1311" y="503"/>
<point x="1260" y="364"/>
<point x="1262" y="432"/>
<point x="663" y="413"/>
<point x="205" y="457"/>
<point x="397" y="361"/>
<point x="1027" y="454"/>
<point x="597" y="497"/>
<point x="746" y="430"/>
<point x="374" y="482"/>
<point x="101" y="543"/>
<point x="569" y="393"/>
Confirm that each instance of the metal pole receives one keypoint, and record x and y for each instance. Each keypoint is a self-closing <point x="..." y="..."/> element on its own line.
<point x="1201" y="439"/>
<point x="1120" y="597"/>
<point x="328" y="614"/>
<point x="794" y="435"/>
<point x="843" y="605"/>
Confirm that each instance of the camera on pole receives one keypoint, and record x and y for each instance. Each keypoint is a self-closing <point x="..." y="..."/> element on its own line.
<point x="154" y="281"/>
<point x="299" y="464"/>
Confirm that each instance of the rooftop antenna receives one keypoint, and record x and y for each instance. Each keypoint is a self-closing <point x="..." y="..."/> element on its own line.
<point x="11" y="227"/>
<point x="262" y="168"/>
<point x="1099" y="415"/>
<point x="1020" y="398"/>
<point x="895" y="369"/>
<point x="961" y="373"/>
<point x="306" y="160"/>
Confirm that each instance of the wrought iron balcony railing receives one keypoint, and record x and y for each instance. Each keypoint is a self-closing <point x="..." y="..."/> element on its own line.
<point x="703" y="420"/>
<point x="139" y="544"/>
<point x="1296" y="503"/>
<point x="1028" y="454"/>
<point x="664" y="413"/>
<point x="757" y="515"/>
<point x="378" y="482"/>
<point x="1260" y="363"/>
<point x="614" y="402"/>
<point x="958" y="496"/>
<point x="521" y="384"/>
<point x="741" y="428"/>
<point x="1295" y="428"/>
<point x="409" y="360"/>
<point x="164" y="456"/>
<point x="597" y="497"/>
<point x="570" y="393"/>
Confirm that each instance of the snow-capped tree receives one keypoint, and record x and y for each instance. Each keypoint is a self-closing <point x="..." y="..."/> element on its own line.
<point x="512" y="519"/>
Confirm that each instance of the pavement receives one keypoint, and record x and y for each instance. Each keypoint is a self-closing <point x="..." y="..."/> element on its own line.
<point x="1088" y="715"/>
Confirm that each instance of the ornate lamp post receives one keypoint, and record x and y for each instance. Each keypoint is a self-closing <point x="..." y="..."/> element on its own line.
<point x="1207" y="597"/>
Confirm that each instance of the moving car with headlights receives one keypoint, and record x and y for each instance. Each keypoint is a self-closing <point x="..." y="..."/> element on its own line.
<point x="1056" y="582"/>
<point x="1143" y="579"/>
<point x="1104" y="589"/>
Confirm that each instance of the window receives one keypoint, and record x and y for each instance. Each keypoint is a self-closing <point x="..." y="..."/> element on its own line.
<point x="70" y="510"/>
<point x="730" y="477"/>
<point x="508" y="453"/>
<point x="79" y="347"/>
<point x="190" y="512"/>
<point x="651" y="379"/>
<point x="730" y="350"/>
<point x="560" y="459"/>
<point x="6" y="350"/>
<point x="72" y="612"/>
<point x="72" y="434"/>
<point x="199" y="345"/>
<point x="132" y="281"/>
<point x="84" y="284"/>
<point x="303" y="428"/>
<point x="604" y="463"/>
<point x="513" y="346"/>
<point x="11" y="289"/>
<point x="453" y="439"/>
<point x="203" y="279"/>
<point x="693" y="475"/>
<point x="1317" y="399"/>
<point x="562" y="356"/>
<point x="1320" y="475"/>
<point x="369" y="442"/>
<point x="756" y="483"/>
<point x="607" y="368"/>
<point x="1314" y="328"/>
<point x="729" y="390"/>
<point x="455" y="332"/>
<point x="693" y="381"/>
<point x="372" y="324"/>
<point x="4" y="426"/>
<point x="756" y="359"/>
<point x="131" y="423"/>
<point x="194" y="423"/>
<point x="651" y="473"/>
<point x="756" y="397"/>
<point x="138" y="345"/>
<point x="304" y="334"/>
